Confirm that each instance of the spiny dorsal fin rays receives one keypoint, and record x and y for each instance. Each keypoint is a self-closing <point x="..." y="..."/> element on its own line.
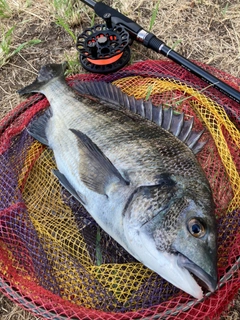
<point x="148" y="109"/>
<point x="193" y="141"/>
<point x="167" y="118"/>
<point x="164" y="117"/>
<point x="186" y="130"/>
<point x="157" y="115"/>
<point x="199" y="146"/>
<point x="103" y="173"/>
<point x="177" y="123"/>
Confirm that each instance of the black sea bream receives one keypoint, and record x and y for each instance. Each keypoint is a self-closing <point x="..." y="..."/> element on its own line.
<point x="132" y="166"/>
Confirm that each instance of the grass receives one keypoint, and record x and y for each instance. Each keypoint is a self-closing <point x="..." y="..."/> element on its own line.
<point x="5" y="11"/>
<point x="66" y="16"/>
<point x="71" y="11"/>
<point x="224" y="10"/>
<point x="64" y="9"/>
<point x="98" y="247"/>
<point x="6" y="50"/>
<point x="73" y="64"/>
<point x="175" y="44"/>
<point x="73" y="60"/>
<point x="154" y="15"/>
<point x="63" y="23"/>
<point x="149" y="91"/>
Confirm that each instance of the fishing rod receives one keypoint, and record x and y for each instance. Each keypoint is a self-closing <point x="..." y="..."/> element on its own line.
<point x="104" y="48"/>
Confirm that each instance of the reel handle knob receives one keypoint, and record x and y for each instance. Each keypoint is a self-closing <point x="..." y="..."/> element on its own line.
<point x="108" y="19"/>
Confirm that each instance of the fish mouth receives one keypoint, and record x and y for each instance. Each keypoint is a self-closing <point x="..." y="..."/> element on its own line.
<point x="209" y="281"/>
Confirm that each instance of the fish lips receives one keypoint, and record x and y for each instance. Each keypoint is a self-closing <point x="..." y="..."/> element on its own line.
<point x="210" y="282"/>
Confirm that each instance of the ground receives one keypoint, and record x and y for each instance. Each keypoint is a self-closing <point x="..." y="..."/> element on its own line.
<point x="204" y="30"/>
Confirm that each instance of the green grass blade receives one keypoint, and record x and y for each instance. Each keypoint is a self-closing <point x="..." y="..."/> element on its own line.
<point x="5" y="46"/>
<point x="154" y="15"/>
<point x="98" y="247"/>
<point x="149" y="91"/>
<point x="62" y="23"/>
<point x="5" y="11"/>
<point x="25" y="44"/>
<point x="176" y="43"/>
<point x="93" y="19"/>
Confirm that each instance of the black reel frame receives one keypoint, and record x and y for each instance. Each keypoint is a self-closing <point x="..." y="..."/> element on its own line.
<point x="114" y="18"/>
<point x="104" y="48"/>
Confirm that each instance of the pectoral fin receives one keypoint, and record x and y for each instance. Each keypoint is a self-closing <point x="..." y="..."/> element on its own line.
<point x="37" y="128"/>
<point x="96" y="170"/>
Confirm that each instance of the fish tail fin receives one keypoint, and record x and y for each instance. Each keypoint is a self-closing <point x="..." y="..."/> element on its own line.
<point x="45" y="75"/>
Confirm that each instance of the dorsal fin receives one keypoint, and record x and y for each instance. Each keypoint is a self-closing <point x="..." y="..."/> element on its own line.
<point x="166" y="118"/>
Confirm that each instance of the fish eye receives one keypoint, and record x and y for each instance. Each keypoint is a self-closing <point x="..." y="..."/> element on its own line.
<point x="196" y="228"/>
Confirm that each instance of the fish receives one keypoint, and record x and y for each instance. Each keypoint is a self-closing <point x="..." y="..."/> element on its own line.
<point x="132" y="165"/>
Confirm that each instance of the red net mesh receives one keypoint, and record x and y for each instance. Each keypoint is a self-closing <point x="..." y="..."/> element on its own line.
<point x="48" y="261"/>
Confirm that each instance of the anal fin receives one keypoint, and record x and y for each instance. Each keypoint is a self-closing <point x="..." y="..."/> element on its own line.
<point x="66" y="184"/>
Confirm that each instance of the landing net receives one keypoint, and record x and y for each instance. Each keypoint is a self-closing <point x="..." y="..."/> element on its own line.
<point x="57" y="263"/>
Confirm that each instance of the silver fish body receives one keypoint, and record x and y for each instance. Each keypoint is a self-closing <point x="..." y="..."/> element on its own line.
<point x="141" y="184"/>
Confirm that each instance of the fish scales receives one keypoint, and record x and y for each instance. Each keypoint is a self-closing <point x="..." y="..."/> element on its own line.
<point x="152" y="145"/>
<point x="140" y="183"/>
<point x="148" y="143"/>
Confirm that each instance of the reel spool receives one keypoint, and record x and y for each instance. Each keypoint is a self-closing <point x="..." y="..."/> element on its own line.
<point x="104" y="48"/>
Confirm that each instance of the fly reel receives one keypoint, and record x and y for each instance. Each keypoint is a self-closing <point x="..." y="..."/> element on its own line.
<point x="104" y="48"/>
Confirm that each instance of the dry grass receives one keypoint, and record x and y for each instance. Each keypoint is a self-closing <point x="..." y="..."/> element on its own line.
<point x="10" y="311"/>
<point x="203" y="30"/>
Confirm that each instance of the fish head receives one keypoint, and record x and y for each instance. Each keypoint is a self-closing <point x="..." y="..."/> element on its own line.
<point x="196" y="243"/>
<point x="173" y="234"/>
